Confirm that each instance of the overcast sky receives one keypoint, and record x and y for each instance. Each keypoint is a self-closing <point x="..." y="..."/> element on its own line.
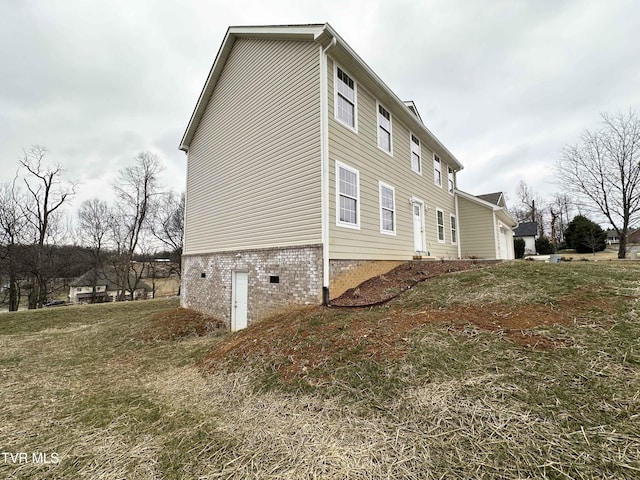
<point x="503" y="84"/>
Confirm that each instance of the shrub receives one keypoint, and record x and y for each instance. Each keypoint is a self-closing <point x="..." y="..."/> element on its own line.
<point x="584" y="235"/>
<point x="544" y="246"/>
<point x="518" y="247"/>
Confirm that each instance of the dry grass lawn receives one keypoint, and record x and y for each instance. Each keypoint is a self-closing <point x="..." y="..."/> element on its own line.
<point x="522" y="370"/>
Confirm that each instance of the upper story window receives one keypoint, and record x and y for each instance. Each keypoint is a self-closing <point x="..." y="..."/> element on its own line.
<point x="440" y="217"/>
<point x="451" y="180"/>
<point x="384" y="129"/>
<point x="345" y="108"/>
<point x="454" y="229"/>
<point x="387" y="209"/>
<point x="437" y="170"/>
<point x="348" y="193"/>
<point x="416" y="155"/>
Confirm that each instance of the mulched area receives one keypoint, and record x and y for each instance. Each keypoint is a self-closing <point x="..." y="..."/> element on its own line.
<point x="313" y="339"/>
<point x="383" y="288"/>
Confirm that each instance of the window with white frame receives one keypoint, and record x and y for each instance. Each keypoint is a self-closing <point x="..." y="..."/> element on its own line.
<point x="348" y="191"/>
<point x="387" y="208"/>
<point x="416" y="154"/>
<point x="384" y="129"/>
<point x="454" y="230"/>
<point x="345" y="98"/>
<point x="440" y="218"/>
<point x="437" y="170"/>
<point x="451" y="180"/>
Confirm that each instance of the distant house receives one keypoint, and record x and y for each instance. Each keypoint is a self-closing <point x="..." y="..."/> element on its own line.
<point x="528" y="231"/>
<point x="106" y="290"/>
<point x="634" y="236"/>
<point x="486" y="226"/>
<point x="612" y="237"/>
<point x="306" y="175"/>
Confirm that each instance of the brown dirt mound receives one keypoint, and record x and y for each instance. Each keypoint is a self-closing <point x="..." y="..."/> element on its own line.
<point x="383" y="288"/>
<point x="180" y="323"/>
<point x="317" y="338"/>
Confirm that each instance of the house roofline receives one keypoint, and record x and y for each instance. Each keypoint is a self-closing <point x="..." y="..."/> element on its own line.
<point x="323" y="34"/>
<point x="484" y="203"/>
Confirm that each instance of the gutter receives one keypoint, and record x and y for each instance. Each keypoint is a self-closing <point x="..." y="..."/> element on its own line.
<point x="324" y="155"/>
<point x="455" y="201"/>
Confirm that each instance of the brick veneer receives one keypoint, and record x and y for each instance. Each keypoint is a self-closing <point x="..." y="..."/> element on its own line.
<point x="207" y="279"/>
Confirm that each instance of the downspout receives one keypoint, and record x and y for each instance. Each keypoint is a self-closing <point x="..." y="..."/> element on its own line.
<point x="496" y="240"/>
<point x="455" y="201"/>
<point x="324" y="154"/>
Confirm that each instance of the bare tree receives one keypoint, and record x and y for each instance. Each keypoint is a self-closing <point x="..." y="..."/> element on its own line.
<point x="560" y="208"/>
<point x="168" y="224"/>
<point x="93" y="225"/>
<point x="45" y="196"/>
<point x="12" y="225"/>
<point x="603" y="171"/>
<point x="531" y="207"/>
<point x="136" y="189"/>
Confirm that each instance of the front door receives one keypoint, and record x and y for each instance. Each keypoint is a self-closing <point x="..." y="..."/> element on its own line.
<point x="240" y="291"/>
<point x="418" y="226"/>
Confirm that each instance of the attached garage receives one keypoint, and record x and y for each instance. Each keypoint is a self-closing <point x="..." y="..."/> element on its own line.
<point x="486" y="226"/>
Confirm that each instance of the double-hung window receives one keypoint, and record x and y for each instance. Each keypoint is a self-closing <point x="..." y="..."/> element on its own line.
<point x="416" y="153"/>
<point x="384" y="129"/>
<point x="437" y="170"/>
<point x="454" y="230"/>
<point x="345" y="98"/>
<point x="348" y="193"/>
<point x="451" y="180"/>
<point x="387" y="208"/>
<point x="440" y="218"/>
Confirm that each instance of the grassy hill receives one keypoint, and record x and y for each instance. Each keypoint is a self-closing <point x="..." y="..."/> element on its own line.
<point x="521" y="370"/>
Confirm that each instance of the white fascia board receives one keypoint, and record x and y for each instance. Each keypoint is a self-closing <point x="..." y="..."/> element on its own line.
<point x="293" y="32"/>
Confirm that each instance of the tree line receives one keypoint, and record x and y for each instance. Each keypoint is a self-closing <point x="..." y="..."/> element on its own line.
<point x="35" y="231"/>
<point x="600" y="179"/>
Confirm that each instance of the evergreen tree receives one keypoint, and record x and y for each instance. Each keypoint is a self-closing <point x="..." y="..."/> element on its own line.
<point x="584" y="235"/>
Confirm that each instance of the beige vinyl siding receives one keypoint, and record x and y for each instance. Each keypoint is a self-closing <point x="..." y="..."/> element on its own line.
<point x="477" y="234"/>
<point x="360" y="151"/>
<point x="253" y="170"/>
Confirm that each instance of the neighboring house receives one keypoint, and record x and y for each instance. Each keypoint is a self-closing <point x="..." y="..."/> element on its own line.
<point x="306" y="175"/>
<point x="486" y="226"/>
<point x="528" y="231"/>
<point x="81" y="289"/>
<point x="634" y="236"/>
<point x="612" y="237"/>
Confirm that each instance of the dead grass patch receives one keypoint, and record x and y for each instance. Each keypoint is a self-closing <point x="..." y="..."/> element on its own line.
<point x="180" y="323"/>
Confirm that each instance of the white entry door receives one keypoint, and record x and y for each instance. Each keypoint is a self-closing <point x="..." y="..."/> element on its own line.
<point x="418" y="226"/>
<point x="504" y="244"/>
<point x="239" y="294"/>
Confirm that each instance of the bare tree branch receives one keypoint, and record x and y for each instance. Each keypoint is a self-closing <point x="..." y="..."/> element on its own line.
<point x="603" y="172"/>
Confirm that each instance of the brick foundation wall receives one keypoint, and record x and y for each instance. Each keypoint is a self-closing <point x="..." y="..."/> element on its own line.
<point x="346" y="274"/>
<point x="207" y="280"/>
